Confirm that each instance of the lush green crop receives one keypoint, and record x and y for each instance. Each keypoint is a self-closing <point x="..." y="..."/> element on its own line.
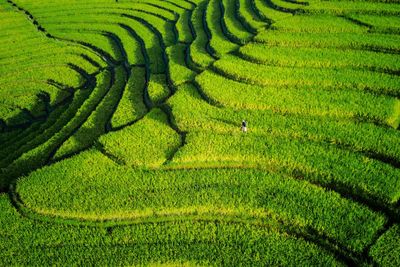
<point x="96" y="123"/>
<point x="267" y="13"/>
<point x="348" y="7"/>
<point x="36" y="151"/>
<point x="121" y="139"/>
<point x="320" y="57"/>
<point x="321" y="163"/>
<point x="20" y="136"/>
<point x="234" y="28"/>
<point x="203" y="242"/>
<point x="386" y="251"/>
<point x="158" y="88"/>
<point x="105" y="44"/>
<point x="353" y="135"/>
<point x="183" y="26"/>
<point x="378" y="83"/>
<point x="370" y="41"/>
<point x="130" y="28"/>
<point x="304" y="100"/>
<point x="143" y="194"/>
<point x="151" y="44"/>
<point x="384" y="24"/>
<point x="319" y="23"/>
<point x="288" y="6"/>
<point x="148" y="143"/>
<point x="26" y="66"/>
<point x="179" y="72"/>
<point x="218" y="42"/>
<point x="198" y="52"/>
<point x="131" y="107"/>
<point x="248" y="16"/>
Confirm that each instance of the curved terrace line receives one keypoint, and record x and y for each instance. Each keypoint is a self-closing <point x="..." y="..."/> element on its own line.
<point x="324" y="242"/>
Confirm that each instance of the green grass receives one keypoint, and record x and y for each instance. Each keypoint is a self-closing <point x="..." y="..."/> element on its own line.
<point x="264" y="75"/>
<point x="120" y="138"/>
<point x="95" y="125"/>
<point x="26" y="65"/>
<point x="198" y="52"/>
<point x="248" y="16"/>
<point x="319" y="23"/>
<point x="320" y="57"/>
<point x="148" y="143"/>
<point x="370" y="41"/>
<point x="218" y="42"/>
<point x="185" y="34"/>
<point x="239" y="193"/>
<point x="384" y="24"/>
<point x="158" y="88"/>
<point x="322" y="163"/>
<point x="386" y="250"/>
<point x="131" y="107"/>
<point x="179" y="71"/>
<point x="267" y="13"/>
<point x="348" y="7"/>
<point x="234" y="28"/>
<point x="351" y="134"/>
<point x="186" y="242"/>
<point x="301" y="100"/>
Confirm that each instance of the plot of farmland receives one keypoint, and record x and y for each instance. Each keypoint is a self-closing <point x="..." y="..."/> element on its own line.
<point x="121" y="139"/>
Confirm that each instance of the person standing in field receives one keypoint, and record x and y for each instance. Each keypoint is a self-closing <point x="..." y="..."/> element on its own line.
<point x="244" y="126"/>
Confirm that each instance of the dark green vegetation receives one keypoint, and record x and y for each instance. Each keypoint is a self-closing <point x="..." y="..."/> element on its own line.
<point x="120" y="141"/>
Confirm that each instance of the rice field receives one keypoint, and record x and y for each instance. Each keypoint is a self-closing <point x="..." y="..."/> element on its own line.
<point x="121" y="140"/>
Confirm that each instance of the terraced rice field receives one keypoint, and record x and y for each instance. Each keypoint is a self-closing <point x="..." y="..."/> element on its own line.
<point x="120" y="139"/>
